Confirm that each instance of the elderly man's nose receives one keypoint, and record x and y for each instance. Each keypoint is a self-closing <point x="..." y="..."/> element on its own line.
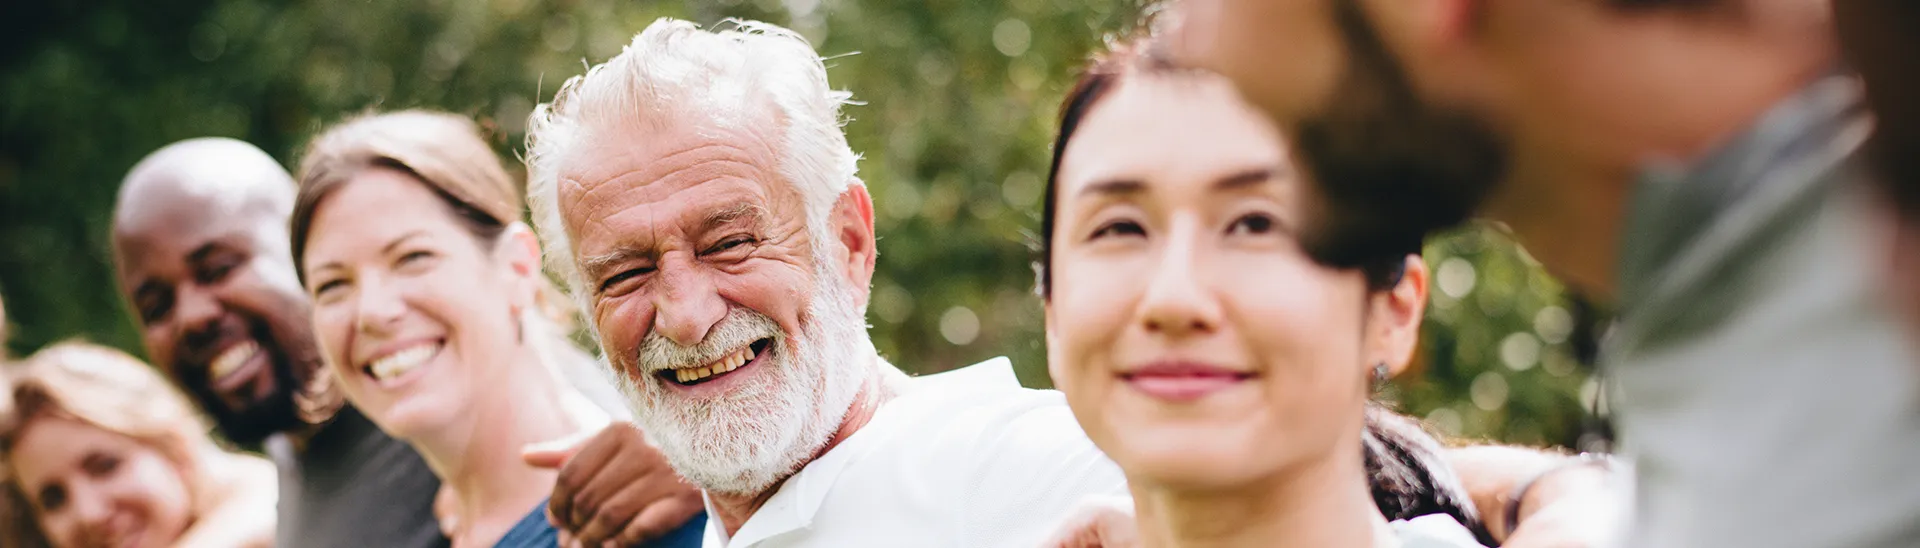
<point x="687" y="305"/>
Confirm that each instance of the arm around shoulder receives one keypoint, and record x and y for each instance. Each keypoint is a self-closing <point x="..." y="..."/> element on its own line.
<point x="238" y="505"/>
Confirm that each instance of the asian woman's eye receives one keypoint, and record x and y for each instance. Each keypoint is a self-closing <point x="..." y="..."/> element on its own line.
<point x="1117" y="228"/>
<point x="1253" y="224"/>
<point x="414" y="256"/>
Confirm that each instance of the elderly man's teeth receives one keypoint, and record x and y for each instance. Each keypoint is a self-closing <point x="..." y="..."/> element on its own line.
<point x="730" y="362"/>
<point x="399" y="363"/>
<point x="231" y="359"/>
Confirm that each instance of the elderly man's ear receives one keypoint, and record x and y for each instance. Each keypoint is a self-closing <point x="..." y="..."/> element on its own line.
<point x="853" y="225"/>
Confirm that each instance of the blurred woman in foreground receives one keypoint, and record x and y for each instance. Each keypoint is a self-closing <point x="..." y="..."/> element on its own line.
<point x="101" y="451"/>
<point x="432" y="310"/>
<point x="1226" y="373"/>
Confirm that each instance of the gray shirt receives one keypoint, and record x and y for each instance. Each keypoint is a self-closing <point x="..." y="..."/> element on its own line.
<point x="1760" y="382"/>
<point x="354" y="487"/>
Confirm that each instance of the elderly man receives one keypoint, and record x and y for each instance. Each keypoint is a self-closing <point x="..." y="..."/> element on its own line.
<point x="201" y="245"/>
<point x="698" y="196"/>
<point x="1693" y="161"/>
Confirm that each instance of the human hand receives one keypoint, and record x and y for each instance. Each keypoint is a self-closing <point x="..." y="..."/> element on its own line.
<point x="1098" y="523"/>
<point x="614" y="489"/>
<point x="1578" y="507"/>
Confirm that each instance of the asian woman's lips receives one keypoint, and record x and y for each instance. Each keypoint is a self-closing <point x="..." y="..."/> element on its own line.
<point x="1182" y="381"/>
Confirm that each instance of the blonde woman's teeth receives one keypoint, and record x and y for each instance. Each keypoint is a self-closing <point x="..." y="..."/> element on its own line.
<point x="730" y="362"/>
<point x="399" y="363"/>
<point x="231" y="359"/>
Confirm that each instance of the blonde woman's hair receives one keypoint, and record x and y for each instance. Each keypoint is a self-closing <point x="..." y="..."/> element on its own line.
<point x="443" y="151"/>
<point x="100" y="387"/>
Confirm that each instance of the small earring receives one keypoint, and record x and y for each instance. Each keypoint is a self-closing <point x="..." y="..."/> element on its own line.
<point x="1379" y="375"/>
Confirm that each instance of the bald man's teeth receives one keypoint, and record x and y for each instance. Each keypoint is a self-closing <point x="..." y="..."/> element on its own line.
<point x="730" y="362"/>
<point x="399" y="363"/>
<point x="231" y="359"/>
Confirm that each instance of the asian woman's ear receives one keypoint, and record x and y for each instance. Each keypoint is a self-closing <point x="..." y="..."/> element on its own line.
<point x="1394" y="319"/>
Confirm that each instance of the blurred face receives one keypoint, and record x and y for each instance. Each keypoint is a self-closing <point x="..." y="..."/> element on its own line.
<point x="220" y="309"/>
<point x="1196" y="343"/>
<point x="1390" y="164"/>
<point x="413" y="313"/>
<point x="94" y="488"/>
<point x="727" y="322"/>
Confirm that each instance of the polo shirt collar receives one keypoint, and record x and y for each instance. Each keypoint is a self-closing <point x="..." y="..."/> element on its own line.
<point x="794" y="505"/>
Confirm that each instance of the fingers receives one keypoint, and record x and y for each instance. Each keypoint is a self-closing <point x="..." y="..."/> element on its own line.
<point x="579" y="472"/>
<point x="640" y="492"/>
<point x="660" y="518"/>
<point x="554" y="453"/>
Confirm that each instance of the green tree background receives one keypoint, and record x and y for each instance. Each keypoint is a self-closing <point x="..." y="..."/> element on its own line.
<point x="960" y="108"/>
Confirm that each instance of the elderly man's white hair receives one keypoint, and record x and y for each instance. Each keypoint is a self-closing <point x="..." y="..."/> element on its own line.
<point x="675" y="72"/>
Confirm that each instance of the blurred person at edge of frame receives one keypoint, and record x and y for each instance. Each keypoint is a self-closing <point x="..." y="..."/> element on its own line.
<point x="1692" y="162"/>
<point x="1214" y="405"/>
<point x="1880" y="38"/>
<point x="200" y="246"/>
<point x="99" y="450"/>
<point x="435" y="318"/>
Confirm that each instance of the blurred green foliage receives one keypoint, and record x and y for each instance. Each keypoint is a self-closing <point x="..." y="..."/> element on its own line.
<point x="960" y="108"/>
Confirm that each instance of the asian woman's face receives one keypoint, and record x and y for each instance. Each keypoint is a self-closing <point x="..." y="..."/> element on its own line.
<point x="1196" y="342"/>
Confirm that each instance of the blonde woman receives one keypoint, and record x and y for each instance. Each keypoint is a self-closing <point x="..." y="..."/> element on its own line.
<point x="100" y="451"/>
<point x="433" y="314"/>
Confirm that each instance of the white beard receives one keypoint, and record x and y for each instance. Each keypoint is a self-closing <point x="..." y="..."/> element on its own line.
<point x="746" y="441"/>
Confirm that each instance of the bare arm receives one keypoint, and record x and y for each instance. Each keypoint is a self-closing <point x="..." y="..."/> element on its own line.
<point x="1570" y="505"/>
<point x="239" y="508"/>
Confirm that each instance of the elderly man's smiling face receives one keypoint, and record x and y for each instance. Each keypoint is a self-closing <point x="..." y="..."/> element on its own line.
<point x="734" y="329"/>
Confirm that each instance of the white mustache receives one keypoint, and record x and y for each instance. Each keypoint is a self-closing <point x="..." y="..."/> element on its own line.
<point x="740" y="328"/>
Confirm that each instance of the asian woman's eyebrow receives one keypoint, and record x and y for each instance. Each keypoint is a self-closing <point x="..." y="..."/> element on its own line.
<point x="1115" y="188"/>
<point x="1244" y="179"/>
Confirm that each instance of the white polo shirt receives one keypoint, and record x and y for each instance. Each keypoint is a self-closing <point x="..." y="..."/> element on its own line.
<point x="964" y="458"/>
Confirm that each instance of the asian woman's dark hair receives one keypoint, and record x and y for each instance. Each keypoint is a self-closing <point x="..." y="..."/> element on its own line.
<point x="1405" y="470"/>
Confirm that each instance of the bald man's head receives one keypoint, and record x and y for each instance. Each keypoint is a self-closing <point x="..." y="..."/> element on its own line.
<point x="200" y="244"/>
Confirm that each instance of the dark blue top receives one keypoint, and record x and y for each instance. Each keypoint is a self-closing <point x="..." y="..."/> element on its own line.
<point x="534" y="531"/>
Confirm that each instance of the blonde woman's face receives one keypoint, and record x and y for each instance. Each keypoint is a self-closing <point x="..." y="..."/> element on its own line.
<point x="410" y="310"/>
<point x="93" y="488"/>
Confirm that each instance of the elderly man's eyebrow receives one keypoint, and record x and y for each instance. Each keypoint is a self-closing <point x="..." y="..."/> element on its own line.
<point x="731" y="213"/>
<point x="596" y="267"/>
